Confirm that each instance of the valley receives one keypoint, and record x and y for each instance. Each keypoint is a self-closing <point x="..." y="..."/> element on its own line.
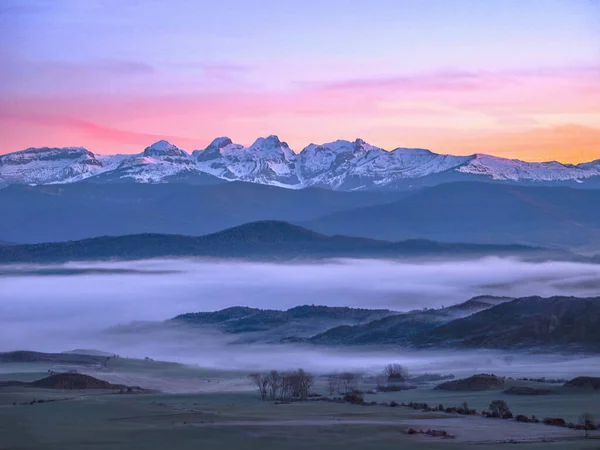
<point x="221" y="409"/>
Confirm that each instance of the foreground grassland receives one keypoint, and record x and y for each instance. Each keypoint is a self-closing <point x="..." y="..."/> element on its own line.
<point x="239" y="420"/>
<point x="224" y="413"/>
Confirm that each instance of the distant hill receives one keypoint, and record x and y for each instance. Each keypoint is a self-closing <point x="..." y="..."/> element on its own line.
<point x="403" y="329"/>
<point x="274" y="325"/>
<point x="76" y="381"/>
<point x="584" y="383"/>
<point x="469" y="212"/>
<point x="531" y="322"/>
<point x="257" y="240"/>
<point x="478" y="213"/>
<point x="317" y="324"/>
<point x="479" y="382"/>
<point x="24" y="356"/>
<point x="36" y="214"/>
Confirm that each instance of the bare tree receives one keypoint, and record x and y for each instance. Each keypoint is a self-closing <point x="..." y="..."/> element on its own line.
<point x="261" y="381"/>
<point x="286" y="385"/>
<point x="306" y="381"/>
<point x="395" y="372"/>
<point x="297" y="384"/>
<point x="274" y="383"/>
<point x="587" y="421"/>
<point x="293" y="385"/>
<point x="333" y="383"/>
<point x="348" y="381"/>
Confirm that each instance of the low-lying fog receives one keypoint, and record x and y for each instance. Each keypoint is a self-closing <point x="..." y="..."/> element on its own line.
<point x="56" y="308"/>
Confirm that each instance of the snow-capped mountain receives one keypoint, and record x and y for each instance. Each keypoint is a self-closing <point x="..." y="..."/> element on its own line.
<point x="357" y="165"/>
<point x="49" y="165"/>
<point x="515" y="170"/>
<point x="156" y="164"/>
<point x="267" y="161"/>
<point x="339" y="165"/>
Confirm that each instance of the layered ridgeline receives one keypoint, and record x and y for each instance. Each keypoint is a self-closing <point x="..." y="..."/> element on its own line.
<point x="530" y="323"/>
<point x="467" y="212"/>
<point x="339" y="165"/>
<point x="264" y="240"/>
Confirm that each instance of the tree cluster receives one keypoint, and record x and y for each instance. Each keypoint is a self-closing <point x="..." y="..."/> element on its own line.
<point x="275" y="385"/>
<point x="342" y="383"/>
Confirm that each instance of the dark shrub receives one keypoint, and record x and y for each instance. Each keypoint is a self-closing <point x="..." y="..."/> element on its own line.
<point x="555" y="421"/>
<point x="522" y="418"/>
<point x="499" y="408"/>
<point x="355" y="397"/>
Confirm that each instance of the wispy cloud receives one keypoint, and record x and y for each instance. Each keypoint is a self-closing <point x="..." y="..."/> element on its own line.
<point x="463" y="80"/>
<point x="96" y="131"/>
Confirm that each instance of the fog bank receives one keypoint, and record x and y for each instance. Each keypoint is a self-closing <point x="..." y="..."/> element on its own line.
<point x="56" y="308"/>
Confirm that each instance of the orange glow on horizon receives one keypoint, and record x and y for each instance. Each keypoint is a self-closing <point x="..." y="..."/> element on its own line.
<point x="531" y="117"/>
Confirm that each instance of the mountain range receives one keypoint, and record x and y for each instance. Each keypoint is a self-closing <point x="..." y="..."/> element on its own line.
<point x="528" y="323"/>
<point x="264" y="240"/>
<point x="467" y="212"/>
<point x="340" y="165"/>
<point x="555" y="323"/>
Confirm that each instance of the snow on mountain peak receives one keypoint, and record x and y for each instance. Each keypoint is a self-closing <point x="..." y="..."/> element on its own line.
<point x="45" y="154"/>
<point x="272" y="147"/>
<point x="361" y="145"/>
<point x="162" y="145"/>
<point x="164" y="149"/>
<point x="48" y="165"/>
<point x="341" y="164"/>
<point x="267" y="161"/>
<point x="217" y="149"/>
<point x="220" y="142"/>
<point x="503" y="169"/>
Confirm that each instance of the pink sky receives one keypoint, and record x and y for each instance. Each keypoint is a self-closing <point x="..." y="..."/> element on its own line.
<point x="482" y="80"/>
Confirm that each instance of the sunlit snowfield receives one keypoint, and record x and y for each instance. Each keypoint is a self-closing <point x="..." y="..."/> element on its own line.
<point x="57" y="308"/>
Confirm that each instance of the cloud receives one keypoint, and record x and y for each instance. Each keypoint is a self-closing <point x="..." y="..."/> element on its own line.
<point x="95" y="131"/>
<point x="441" y="81"/>
<point x="460" y="80"/>
<point x="101" y="300"/>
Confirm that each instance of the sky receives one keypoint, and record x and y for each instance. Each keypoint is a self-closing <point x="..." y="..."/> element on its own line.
<point x="513" y="78"/>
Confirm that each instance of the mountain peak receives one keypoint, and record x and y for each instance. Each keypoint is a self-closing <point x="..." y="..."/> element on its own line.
<point x="46" y="154"/>
<point x="338" y="165"/>
<point x="164" y="149"/>
<point x="48" y="165"/>
<point x="361" y="145"/>
<point x="270" y="141"/>
<point x="162" y="145"/>
<point x="268" y="231"/>
<point x="220" y="142"/>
